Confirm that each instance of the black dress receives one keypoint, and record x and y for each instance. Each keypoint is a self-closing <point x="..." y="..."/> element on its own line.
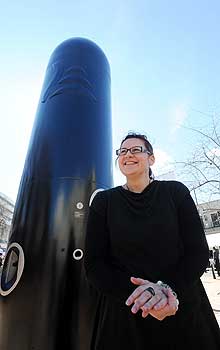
<point x="155" y="235"/>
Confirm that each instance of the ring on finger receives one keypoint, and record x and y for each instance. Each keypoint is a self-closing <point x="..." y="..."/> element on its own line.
<point x="151" y="291"/>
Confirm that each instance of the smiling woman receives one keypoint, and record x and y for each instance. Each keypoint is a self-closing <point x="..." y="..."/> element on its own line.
<point x="135" y="157"/>
<point x="145" y="253"/>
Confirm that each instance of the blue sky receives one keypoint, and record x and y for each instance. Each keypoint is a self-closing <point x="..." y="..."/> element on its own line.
<point x="165" y="65"/>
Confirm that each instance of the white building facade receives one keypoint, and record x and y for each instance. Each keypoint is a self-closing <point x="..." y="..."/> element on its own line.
<point x="6" y="214"/>
<point x="209" y="213"/>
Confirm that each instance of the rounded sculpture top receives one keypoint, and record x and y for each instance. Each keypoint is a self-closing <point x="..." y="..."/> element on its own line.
<point x="73" y="116"/>
<point x="83" y="50"/>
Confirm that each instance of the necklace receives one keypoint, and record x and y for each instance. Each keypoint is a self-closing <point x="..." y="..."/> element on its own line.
<point x="151" y="180"/>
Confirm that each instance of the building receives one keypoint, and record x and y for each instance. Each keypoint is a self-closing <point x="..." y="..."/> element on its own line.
<point x="209" y="213"/>
<point x="6" y="214"/>
<point x="170" y="175"/>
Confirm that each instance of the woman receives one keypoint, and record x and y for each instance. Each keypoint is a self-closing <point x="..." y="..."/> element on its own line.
<point x="138" y="235"/>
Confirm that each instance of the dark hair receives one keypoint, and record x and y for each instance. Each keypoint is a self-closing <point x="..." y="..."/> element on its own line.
<point x="134" y="135"/>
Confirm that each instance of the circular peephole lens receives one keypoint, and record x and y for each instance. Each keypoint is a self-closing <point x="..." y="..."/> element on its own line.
<point x="12" y="269"/>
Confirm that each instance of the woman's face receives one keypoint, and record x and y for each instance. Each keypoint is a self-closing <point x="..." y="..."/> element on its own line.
<point x="135" y="164"/>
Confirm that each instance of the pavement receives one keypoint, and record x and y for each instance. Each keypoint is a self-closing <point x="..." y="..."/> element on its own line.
<point x="212" y="287"/>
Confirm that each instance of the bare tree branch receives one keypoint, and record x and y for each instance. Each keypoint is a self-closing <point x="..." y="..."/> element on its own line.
<point x="204" y="183"/>
<point x="202" y="133"/>
<point x="195" y="167"/>
<point x="210" y="160"/>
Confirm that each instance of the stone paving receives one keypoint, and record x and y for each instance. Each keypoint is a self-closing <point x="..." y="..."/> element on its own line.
<point x="212" y="287"/>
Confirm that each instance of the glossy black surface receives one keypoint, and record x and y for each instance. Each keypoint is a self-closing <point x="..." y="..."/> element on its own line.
<point x="69" y="156"/>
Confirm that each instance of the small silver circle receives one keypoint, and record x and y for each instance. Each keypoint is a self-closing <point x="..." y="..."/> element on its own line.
<point x="78" y="254"/>
<point x="79" y="205"/>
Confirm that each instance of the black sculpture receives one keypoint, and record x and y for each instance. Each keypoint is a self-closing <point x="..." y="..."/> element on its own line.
<point x="46" y="303"/>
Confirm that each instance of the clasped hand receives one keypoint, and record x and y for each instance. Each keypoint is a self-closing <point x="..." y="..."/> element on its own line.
<point x="160" y="305"/>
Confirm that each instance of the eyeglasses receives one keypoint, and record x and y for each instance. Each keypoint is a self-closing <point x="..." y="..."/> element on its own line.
<point x="133" y="150"/>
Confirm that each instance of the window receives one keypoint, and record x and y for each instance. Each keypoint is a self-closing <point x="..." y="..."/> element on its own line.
<point x="216" y="219"/>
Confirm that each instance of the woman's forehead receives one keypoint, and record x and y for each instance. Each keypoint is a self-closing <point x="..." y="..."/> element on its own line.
<point x="132" y="142"/>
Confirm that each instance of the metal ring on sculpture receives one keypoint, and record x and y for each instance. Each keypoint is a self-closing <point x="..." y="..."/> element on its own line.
<point x="78" y="254"/>
<point x="94" y="194"/>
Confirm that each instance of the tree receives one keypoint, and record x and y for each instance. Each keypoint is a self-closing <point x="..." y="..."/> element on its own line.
<point x="202" y="169"/>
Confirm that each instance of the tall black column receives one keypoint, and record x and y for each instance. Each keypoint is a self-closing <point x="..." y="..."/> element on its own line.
<point x="45" y="302"/>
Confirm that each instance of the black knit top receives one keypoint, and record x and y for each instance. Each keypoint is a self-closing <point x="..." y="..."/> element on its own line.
<point x="155" y="235"/>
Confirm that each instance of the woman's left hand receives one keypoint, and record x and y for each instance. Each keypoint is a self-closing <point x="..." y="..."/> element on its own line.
<point x="143" y="299"/>
<point x="169" y="310"/>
